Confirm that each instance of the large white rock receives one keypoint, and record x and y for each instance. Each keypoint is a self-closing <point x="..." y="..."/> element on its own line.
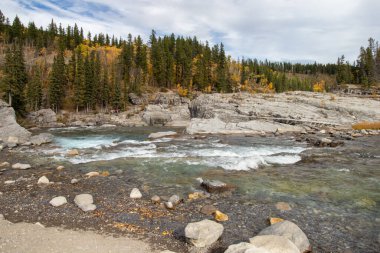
<point x="203" y="233"/>
<point x="135" y="194"/>
<point x="161" y="134"/>
<point x="85" y="202"/>
<point x="43" y="180"/>
<point x="41" y="139"/>
<point x="58" y="201"/>
<point x="291" y="231"/>
<point x="9" y="127"/>
<point x="21" y="166"/>
<point x="274" y="244"/>
<point x="43" y="118"/>
<point x="245" y="247"/>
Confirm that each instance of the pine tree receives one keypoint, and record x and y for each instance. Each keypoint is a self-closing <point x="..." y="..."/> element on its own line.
<point x="34" y="91"/>
<point x="58" y="81"/>
<point x="15" y="78"/>
<point x="221" y="71"/>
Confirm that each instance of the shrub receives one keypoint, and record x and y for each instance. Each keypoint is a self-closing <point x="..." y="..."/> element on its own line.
<point x="366" y="125"/>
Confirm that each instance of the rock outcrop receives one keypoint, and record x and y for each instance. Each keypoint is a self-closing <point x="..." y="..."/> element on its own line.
<point x="10" y="131"/>
<point x="283" y="112"/>
<point x="43" y="118"/>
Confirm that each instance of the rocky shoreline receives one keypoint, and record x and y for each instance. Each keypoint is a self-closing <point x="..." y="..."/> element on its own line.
<point x="113" y="202"/>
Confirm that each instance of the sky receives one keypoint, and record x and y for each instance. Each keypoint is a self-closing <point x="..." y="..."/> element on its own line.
<point x="278" y="30"/>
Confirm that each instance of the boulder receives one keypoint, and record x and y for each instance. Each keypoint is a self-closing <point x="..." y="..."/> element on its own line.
<point x="43" y="118"/>
<point x="85" y="202"/>
<point x="41" y="139"/>
<point x="134" y="99"/>
<point x="73" y="152"/>
<point x="168" y="99"/>
<point x="274" y="244"/>
<point x="291" y="231"/>
<point x="9" y="127"/>
<point x="215" y="186"/>
<point x="203" y="233"/>
<point x="43" y="180"/>
<point x="58" y="201"/>
<point x="155" y="117"/>
<point x="135" y="194"/>
<point x="21" y="166"/>
<point x="161" y="134"/>
<point x="244" y="247"/>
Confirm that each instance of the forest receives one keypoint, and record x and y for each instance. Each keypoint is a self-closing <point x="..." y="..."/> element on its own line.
<point x="63" y="68"/>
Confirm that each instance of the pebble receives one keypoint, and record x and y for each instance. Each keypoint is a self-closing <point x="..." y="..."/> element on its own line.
<point x="21" y="166"/>
<point x="60" y="167"/>
<point x="43" y="180"/>
<point x="156" y="199"/>
<point x="92" y="174"/>
<point x="119" y="172"/>
<point x="74" y="181"/>
<point x="274" y="220"/>
<point x="135" y="194"/>
<point x="10" y="182"/>
<point x="5" y="164"/>
<point x="208" y="209"/>
<point x="219" y="216"/>
<point x="58" y="201"/>
<point x="283" y="206"/>
<point x="169" y="205"/>
<point x="85" y="202"/>
<point x="175" y="199"/>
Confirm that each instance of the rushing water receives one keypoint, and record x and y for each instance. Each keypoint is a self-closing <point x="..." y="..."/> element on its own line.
<point x="343" y="182"/>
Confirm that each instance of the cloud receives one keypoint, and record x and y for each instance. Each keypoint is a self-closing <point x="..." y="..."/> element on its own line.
<point x="294" y="30"/>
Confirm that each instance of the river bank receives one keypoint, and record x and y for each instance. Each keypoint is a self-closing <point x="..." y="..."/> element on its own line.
<point x="334" y="219"/>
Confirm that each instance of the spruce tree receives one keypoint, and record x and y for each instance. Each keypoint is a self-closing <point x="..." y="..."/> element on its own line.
<point x="58" y="81"/>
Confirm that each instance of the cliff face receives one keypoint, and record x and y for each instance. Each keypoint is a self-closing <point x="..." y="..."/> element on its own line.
<point x="10" y="130"/>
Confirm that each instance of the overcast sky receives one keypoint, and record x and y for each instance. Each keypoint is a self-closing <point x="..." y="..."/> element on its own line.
<point x="292" y="30"/>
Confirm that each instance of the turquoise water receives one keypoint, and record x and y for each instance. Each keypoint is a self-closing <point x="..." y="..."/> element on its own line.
<point x="342" y="184"/>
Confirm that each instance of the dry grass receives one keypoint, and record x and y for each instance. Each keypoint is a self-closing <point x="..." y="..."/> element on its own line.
<point x="366" y="125"/>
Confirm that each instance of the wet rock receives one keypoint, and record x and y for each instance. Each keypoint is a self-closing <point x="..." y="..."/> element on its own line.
<point x="58" y="201"/>
<point x="203" y="233"/>
<point x="291" y="231"/>
<point x="169" y="205"/>
<point x="43" y="138"/>
<point x="208" y="209"/>
<point x="73" y="152"/>
<point x="274" y="244"/>
<point x="161" y="134"/>
<point x="21" y="166"/>
<point x="156" y="199"/>
<point x="198" y="195"/>
<point x="85" y="202"/>
<point x="92" y="174"/>
<point x="215" y="186"/>
<point x="74" y="181"/>
<point x="43" y="180"/>
<point x="283" y="206"/>
<point x="175" y="199"/>
<point x="244" y="247"/>
<point x="135" y="194"/>
<point x="219" y="216"/>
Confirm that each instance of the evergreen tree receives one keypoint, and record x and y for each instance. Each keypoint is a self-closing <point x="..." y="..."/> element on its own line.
<point x="34" y="91"/>
<point x="79" y="81"/>
<point x="221" y="72"/>
<point x="58" y="81"/>
<point x="15" y="78"/>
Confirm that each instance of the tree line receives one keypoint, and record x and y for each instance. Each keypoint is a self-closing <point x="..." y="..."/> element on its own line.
<point x="98" y="72"/>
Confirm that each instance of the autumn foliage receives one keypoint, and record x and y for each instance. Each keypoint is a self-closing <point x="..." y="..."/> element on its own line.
<point x="366" y="125"/>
